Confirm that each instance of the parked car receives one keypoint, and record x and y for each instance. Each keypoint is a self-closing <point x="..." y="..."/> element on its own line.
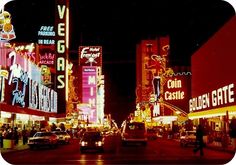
<point x="63" y="137"/>
<point x="133" y="132"/>
<point x="92" y="140"/>
<point x="43" y="139"/>
<point x="187" y="138"/>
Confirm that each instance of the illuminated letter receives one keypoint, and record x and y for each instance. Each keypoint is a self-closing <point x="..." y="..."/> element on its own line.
<point x="219" y="96"/>
<point x="60" y="64"/>
<point x="214" y="98"/>
<point x="61" y="11"/>
<point x="61" y="29"/>
<point x="91" y="80"/>
<point x="92" y="102"/>
<point x="91" y="91"/>
<point x="59" y="78"/>
<point x="61" y="46"/>
<point x="225" y="88"/>
<point x="231" y="93"/>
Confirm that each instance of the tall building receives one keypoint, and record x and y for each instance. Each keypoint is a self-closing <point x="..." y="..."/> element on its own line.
<point x="160" y="90"/>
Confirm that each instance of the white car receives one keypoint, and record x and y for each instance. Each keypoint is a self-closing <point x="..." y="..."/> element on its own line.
<point x="42" y="139"/>
<point x="63" y="137"/>
<point x="187" y="138"/>
<point x="134" y="132"/>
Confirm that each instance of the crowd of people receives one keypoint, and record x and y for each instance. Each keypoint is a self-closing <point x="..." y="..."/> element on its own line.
<point x="15" y="134"/>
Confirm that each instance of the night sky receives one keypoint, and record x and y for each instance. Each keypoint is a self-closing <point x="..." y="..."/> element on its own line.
<point x="117" y="26"/>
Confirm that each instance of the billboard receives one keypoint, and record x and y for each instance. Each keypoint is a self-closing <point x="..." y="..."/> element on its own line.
<point x="21" y="86"/>
<point x="90" y="56"/>
<point x="89" y="90"/>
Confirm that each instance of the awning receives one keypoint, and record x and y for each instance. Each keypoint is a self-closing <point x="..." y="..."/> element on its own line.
<point x="213" y="112"/>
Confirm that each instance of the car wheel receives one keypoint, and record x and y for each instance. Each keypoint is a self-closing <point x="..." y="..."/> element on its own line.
<point x="144" y="143"/>
<point x="101" y="150"/>
<point x="124" y="143"/>
<point x="82" y="150"/>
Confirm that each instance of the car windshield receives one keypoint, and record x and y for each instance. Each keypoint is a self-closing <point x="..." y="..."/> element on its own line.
<point x="60" y="133"/>
<point x="136" y="126"/>
<point x="151" y="131"/>
<point x="41" y="134"/>
<point x="92" y="136"/>
<point x="63" y="133"/>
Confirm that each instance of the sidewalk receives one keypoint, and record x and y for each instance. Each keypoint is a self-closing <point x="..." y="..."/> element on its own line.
<point x="218" y="147"/>
<point x="214" y="146"/>
<point x="18" y="147"/>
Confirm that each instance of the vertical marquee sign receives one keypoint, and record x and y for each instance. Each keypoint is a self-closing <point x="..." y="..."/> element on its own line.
<point x="62" y="42"/>
<point x="89" y="89"/>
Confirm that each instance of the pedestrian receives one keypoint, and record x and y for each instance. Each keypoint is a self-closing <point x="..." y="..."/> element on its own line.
<point x="232" y="132"/>
<point x="1" y="137"/>
<point x="16" y="136"/>
<point x="32" y="132"/>
<point x="199" y="140"/>
<point x="25" y="136"/>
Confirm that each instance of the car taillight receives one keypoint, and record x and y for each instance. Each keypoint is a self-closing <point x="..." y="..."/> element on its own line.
<point x="99" y="143"/>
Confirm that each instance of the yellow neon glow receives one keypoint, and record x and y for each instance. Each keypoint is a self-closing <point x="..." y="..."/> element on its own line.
<point x="67" y="48"/>
<point x="213" y="112"/>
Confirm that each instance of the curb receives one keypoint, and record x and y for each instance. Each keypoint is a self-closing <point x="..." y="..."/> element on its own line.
<point x="17" y="148"/>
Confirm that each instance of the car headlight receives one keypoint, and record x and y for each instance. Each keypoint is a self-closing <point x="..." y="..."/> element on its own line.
<point x="84" y="143"/>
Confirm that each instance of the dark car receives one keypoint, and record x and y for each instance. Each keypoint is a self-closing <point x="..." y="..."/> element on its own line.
<point x="187" y="138"/>
<point x="43" y="139"/>
<point x="151" y="134"/>
<point x="92" y="140"/>
<point x="63" y="137"/>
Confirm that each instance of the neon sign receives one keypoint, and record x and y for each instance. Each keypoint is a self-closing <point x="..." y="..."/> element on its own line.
<point x="42" y="97"/>
<point x="90" y="55"/>
<point x="46" y="31"/>
<point x="17" y="75"/>
<point x="61" y="44"/>
<point x="174" y="95"/>
<point x="6" y="28"/>
<point x="3" y="75"/>
<point x="90" y="90"/>
<point x="26" y="51"/>
<point x="219" y="97"/>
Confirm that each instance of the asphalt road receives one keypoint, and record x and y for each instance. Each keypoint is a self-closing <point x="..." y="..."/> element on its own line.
<point x="160" y="151"/>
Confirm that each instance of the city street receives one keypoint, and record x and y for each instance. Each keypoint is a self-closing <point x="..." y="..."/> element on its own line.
<point x="160" y="151"/>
